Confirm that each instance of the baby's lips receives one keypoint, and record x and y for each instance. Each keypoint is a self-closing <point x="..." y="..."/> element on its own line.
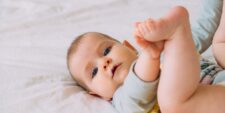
<point x="115" y="67"/>
<point x="113" y="70"/>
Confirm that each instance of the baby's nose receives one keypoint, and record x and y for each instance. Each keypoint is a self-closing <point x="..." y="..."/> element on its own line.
<point x="105" y="62"/>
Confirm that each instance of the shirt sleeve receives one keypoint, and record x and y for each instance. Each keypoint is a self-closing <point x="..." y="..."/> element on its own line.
<point x="135" y="95"/>
<point x="206" y="24"/>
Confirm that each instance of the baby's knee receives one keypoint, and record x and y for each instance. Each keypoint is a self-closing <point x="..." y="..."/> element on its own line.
<point x="183" y="12"/>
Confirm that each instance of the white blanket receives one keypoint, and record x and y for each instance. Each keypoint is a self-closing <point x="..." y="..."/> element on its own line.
<point x="35" y="35"/>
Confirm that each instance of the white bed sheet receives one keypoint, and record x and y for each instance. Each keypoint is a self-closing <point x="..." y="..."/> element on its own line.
<point x="35" y="35"/>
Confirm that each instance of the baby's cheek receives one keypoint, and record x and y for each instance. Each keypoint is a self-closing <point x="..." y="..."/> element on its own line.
<point x="122" y="76"/>
<point x="106" y="90"/>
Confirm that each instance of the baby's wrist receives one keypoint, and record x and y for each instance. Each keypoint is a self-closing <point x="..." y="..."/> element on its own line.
<point x="147" y="68"/>
<point x="150" y="55"/>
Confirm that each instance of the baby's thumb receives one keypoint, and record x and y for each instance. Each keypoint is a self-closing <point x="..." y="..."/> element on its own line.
<point x="142" y="42"/>
<point x="147" y="46"/>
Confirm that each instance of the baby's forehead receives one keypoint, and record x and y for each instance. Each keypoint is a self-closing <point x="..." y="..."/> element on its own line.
<point x="90" y="42"/>
<point x="99" y="36"/>
<point x="94" y="37"/>
<point x="87" y="47"/>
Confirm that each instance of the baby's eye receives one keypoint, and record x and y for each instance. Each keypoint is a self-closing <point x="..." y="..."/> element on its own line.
<point x="107" y="50"/>
<point x="94" y="72"/>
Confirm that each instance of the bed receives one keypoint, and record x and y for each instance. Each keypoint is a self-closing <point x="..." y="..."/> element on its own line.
<point x="35" y="35"/>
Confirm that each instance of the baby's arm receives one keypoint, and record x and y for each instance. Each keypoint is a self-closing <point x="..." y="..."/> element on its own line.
<point x="148" y="63"/>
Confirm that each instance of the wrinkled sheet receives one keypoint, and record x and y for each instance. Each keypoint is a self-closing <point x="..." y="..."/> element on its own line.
<point x="35" y="35"/>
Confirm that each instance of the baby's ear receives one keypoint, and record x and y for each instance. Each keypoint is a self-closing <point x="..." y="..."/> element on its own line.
<point x="127" y="44"/>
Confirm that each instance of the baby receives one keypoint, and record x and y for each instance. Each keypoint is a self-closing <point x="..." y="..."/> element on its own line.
<point x="113" y="70"/>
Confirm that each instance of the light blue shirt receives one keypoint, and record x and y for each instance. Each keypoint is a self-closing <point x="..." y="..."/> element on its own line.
<point x="135" y="95"/>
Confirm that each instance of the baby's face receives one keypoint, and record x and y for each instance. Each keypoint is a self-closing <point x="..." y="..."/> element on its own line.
<point x="101" y="64"/>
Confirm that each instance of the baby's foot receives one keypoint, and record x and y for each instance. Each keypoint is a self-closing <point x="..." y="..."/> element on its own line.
<point x="165" y="27"/>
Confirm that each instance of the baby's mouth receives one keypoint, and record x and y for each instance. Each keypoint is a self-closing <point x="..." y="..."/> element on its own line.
<point x="115" y="67"/>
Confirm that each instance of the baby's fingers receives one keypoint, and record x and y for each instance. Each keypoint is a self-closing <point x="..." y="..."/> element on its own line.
<point x="142" y="42"/>
<point x="148" y="47"/>
<point x="137" y="33"/>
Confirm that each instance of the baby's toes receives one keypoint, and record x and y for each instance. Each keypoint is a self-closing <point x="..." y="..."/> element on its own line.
<point x="150" y="24"/>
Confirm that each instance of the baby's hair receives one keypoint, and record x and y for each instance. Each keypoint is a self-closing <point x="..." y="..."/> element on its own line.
<point x="73" y="49"/>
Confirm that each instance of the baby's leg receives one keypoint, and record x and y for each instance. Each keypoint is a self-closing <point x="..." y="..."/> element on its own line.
<point x="179" y="90"/>
<point x="219" y="41"/>
<point x="181" y="70"/>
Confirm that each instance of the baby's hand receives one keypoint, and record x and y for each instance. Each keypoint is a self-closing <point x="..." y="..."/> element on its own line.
<point x="154" y="48"/>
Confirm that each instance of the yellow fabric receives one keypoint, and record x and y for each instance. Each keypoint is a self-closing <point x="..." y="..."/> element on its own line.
<point x="155" y="109"/>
